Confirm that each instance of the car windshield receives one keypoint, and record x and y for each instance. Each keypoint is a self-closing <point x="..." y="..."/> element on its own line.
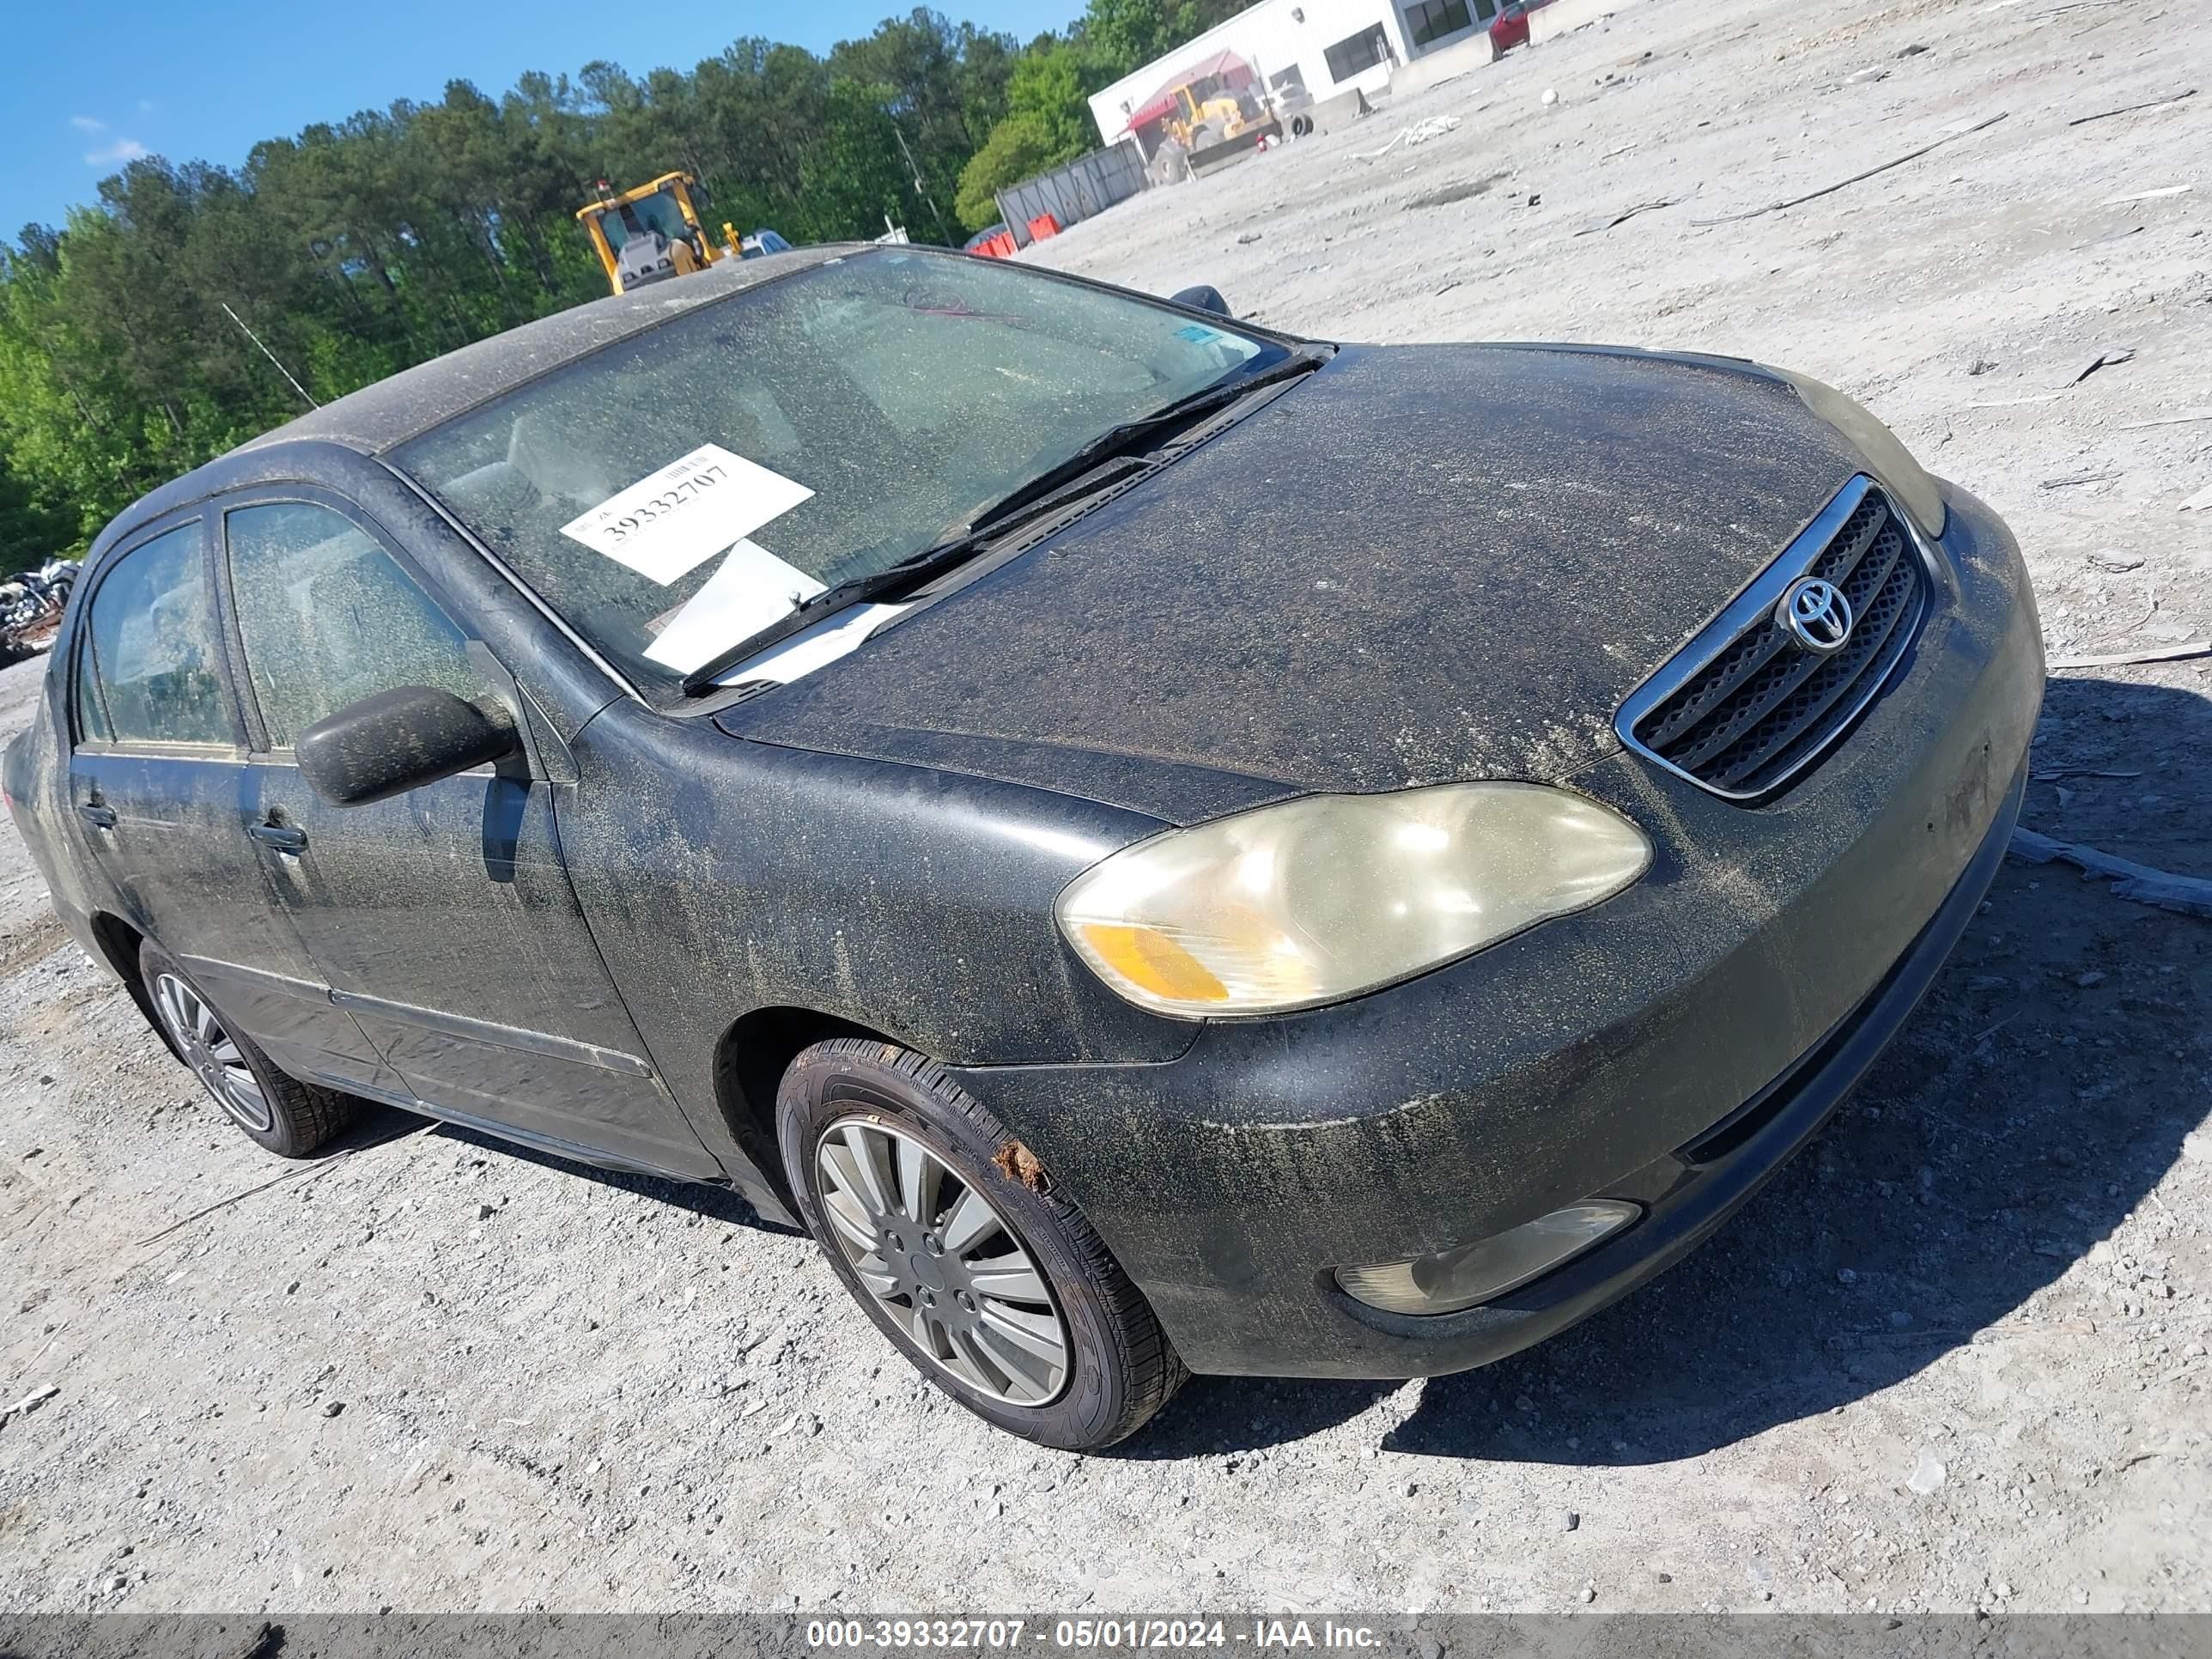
<point x="672" y="494"/>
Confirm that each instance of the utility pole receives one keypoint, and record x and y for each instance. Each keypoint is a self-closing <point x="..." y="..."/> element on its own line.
<point x="267" y="353"/>
<point x="920" y="188"/>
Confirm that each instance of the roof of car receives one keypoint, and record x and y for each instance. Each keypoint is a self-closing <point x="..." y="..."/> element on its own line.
<point x="414" y="400"/>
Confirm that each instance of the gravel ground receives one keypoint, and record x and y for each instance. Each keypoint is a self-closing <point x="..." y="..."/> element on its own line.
<point x="1954" y="1357"/>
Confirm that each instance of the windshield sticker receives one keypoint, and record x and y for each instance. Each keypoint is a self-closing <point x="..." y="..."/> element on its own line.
<point x="752" y="589"/>
<point x="673" y="521"/>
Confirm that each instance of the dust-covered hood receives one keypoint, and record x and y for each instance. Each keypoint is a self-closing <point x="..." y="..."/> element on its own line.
<point x="1420" y="564"/>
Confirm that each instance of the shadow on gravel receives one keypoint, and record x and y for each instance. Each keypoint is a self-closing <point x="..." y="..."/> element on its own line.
<point x="720" y="1204"/>
<point x="1216" y="1415"/>
<point x="2043" y="1088"/>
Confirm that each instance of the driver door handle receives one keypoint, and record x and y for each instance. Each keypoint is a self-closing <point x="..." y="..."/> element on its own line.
<point x="99" y="816"/>
<point x="284" y="837"/>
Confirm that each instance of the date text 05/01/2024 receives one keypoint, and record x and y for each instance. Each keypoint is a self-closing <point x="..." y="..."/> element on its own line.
<point x="1116" y="1634"/>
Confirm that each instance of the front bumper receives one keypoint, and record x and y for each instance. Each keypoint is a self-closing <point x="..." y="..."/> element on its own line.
<point x="1689" y="1192"/>
<point x="1675" y="1045"/>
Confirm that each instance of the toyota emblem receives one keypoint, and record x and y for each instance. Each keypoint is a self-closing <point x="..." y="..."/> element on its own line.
<point x="1817" y="615"/>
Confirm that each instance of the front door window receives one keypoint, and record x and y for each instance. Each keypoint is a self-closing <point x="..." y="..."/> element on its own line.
<point x="327" y="617"/>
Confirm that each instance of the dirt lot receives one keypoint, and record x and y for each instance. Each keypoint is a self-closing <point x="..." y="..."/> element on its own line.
<point x="1954" y="1357"/>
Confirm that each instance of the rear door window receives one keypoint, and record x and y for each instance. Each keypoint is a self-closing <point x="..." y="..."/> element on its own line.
<point x="327" y="617"/>
<point x="155" y="655"/>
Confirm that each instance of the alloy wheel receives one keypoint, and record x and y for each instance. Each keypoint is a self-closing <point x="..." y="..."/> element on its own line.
<point x="212" y="1053"/>
<point x="939" y="1257"/>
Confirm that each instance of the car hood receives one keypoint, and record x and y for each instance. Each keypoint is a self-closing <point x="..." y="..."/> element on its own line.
<point x="1419" y="565"/>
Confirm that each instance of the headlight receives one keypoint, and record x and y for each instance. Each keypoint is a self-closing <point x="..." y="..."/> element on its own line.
<point x="1888" y="460"/>
<point x="1314" y="900"/>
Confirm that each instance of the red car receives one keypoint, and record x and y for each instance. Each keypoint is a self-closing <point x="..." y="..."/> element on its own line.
<point x="1510" y="29"/>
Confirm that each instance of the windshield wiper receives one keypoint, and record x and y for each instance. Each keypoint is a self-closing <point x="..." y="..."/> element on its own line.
<point x="857" y="589"/>
<point x="1041" y="492"/>
<point x="1128" y="434"/>
<point x="907" y="574"/>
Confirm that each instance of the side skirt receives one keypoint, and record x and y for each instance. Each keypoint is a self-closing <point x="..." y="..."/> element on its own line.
<point x="571" y="1150"/>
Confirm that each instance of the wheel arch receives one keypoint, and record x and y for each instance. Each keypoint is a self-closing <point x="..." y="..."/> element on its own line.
<point x="750" y="1062"/>
<point x="119" y="941"/>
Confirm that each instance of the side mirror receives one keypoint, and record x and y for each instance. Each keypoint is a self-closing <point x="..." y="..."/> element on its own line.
<point x="396" y="740"/>
<point x="1204" y="297"/>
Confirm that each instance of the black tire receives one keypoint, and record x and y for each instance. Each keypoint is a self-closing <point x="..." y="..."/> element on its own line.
<point x="293" y="1118"/>
<point x="1121" y="1367"/>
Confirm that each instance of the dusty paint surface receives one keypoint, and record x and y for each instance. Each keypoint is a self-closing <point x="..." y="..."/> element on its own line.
<point x="1419" y="565"/>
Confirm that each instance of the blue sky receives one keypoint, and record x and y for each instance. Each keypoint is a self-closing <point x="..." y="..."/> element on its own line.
<point x="94" y="85"/>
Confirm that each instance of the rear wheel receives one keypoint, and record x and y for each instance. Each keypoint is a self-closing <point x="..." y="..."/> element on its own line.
<point x="957" y="1244"/>
<point x="290" y="1118"/>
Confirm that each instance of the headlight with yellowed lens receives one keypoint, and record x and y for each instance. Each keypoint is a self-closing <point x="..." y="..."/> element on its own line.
<point x="1322" y="898"/>
<point x="1885" y="456"/>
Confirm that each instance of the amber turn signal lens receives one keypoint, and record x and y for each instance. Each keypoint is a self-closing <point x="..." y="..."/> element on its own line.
<point x="1146" y="956"/>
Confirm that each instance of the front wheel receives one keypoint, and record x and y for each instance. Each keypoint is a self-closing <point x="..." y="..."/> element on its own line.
<point x="956" y="1242"/>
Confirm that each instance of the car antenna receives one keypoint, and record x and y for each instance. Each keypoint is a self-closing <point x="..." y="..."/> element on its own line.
<point x="267" y="353"/>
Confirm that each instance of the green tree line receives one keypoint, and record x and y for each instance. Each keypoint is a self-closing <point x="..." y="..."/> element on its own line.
<point x="358" y="248"/>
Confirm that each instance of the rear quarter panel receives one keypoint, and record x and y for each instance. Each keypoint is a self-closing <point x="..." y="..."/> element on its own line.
<point x="34" y="771"/>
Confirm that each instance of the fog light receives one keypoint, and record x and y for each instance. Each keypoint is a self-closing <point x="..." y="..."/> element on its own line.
<point x="1446" y="1281"/>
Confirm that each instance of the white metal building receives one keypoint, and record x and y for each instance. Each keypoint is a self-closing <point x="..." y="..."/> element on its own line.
<point x="1322" y="47"/>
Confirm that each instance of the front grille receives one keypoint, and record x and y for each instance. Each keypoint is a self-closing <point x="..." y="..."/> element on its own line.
<point x="1747" y="706"/>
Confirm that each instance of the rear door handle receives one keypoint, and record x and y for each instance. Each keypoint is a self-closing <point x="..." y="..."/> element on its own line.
<point x="99" y="816"/>
<point x="284" y="837"/>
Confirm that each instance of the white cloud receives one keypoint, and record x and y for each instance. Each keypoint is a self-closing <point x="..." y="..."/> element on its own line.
<point x="122" y="150"/>
<point x="87" y="124"/>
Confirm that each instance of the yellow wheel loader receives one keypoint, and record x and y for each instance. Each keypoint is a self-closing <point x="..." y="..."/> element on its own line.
<point x="652" y="233"/>
<point x="1212" y="121"/>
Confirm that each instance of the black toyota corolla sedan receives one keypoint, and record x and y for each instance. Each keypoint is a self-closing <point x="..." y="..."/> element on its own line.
<point x="1164" y="844"/>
